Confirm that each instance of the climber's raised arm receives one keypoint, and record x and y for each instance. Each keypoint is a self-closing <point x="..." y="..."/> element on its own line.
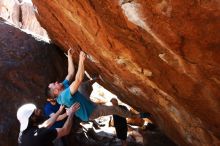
<point x="71" y="69"/>
<point x="79" y="75"/>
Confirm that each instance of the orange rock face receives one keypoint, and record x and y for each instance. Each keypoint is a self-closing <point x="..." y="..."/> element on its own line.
<point x="159" y="56"/>
<point x="21" y="13"/>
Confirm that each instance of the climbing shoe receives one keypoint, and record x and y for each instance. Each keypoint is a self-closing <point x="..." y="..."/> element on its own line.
<point x="145" y="115"/>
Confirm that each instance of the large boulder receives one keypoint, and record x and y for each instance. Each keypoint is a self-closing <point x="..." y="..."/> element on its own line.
<point x="159" y="56"/>
<point x="27" y="66"/>
<point x="21" y="14"/>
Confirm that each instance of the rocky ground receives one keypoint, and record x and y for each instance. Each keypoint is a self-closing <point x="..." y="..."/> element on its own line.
<point x="148" y="135"/>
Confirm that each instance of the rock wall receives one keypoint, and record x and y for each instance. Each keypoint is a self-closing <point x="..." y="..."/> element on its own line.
<point x="21" y="14"/>
<point x="160" y="56"/>
<point x="27" y="66"/>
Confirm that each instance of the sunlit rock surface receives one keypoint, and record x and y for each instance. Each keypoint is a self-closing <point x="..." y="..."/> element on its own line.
<point x="21" y="13"/>
<point x="159" y="56"/>
<point x="27" y="66"/>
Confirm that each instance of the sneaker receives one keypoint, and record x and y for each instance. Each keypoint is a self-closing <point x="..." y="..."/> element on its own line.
<point x="145" y="115"/>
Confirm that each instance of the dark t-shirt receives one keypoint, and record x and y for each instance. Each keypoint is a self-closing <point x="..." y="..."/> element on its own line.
<point x="120" y="121"/>
<point x="35" y="136"/>
<point x="49" y="109"/>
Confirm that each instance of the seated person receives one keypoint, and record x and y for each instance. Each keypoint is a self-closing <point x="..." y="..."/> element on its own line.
<point x="34" y="132"/>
